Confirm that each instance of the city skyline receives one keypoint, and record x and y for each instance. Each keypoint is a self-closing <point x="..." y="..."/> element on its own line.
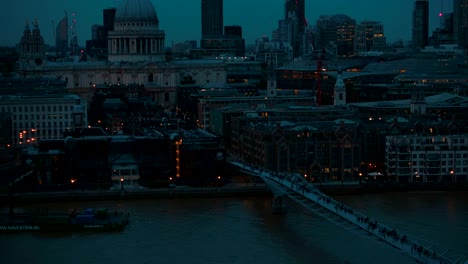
<point x="182" y="21"/>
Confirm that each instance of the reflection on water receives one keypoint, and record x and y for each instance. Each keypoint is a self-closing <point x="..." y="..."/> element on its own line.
<point x="243" y="230"/>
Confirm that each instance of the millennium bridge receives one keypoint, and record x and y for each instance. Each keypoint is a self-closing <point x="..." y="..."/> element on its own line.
<point x="297" y="188"/>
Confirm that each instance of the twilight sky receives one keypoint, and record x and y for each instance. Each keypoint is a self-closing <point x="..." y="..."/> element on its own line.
<point x="180" y="19"/>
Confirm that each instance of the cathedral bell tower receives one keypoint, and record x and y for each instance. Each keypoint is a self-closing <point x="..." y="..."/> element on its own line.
<point x="32" y="51"/>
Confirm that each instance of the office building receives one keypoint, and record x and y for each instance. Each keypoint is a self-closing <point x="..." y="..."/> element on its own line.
<point x="432" y="158"/>
<point x="43" y="117"/>
<point x="460" y="23"/>
<point x="420" y="24"/>
<point x="295" y="15"/>
<point x="336" y="33"/>
<point x="108" y="16"/>
<point x="369" y="37"/>
<point x="212" y="18"/>
<point x="61" y="37"/>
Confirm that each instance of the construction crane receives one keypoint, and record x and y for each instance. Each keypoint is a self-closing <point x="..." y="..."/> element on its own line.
<point x="54" y="32"/>
<point x="318" y="77"/>
<point x="74" y="38"/>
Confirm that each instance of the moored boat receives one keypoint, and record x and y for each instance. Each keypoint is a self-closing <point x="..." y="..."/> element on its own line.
<point x="89" y="219"/>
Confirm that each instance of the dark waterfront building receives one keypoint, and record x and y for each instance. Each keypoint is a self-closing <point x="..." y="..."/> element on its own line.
<point x="212" y="18"/>
<point x="5" y="137"/>
<point x="427" y="157"/>
<point x="420" y="24"/>
<point x="199" y="158"/>
<point x="324" y="150"/>
<point x="95" y="160"/>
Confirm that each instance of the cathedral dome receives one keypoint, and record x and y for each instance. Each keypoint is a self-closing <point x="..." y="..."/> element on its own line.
<point x="141" y="10"/>
<point x="136" y="36"/>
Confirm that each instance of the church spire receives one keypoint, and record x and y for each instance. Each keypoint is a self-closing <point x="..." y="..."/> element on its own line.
<point x="32" y="45"/>
<point x="26" y="26"/>
<point x="340" y="90"/>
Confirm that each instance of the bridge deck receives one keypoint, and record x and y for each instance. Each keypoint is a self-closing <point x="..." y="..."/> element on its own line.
<point x="298" y="184"/>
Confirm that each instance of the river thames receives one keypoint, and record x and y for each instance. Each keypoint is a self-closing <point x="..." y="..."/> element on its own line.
<point x="244" y="230"/>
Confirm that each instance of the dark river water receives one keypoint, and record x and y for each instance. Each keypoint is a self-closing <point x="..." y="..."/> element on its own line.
<point x="243" y="230"/>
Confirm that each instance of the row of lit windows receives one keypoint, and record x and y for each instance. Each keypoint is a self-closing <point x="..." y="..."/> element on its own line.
<point x="135" y="24"/>
<point x="443" y="156"/>
<point x="43" y="134"/>
<point x="42" y="124"/>
<point x="443" y="163"/>
<point x="37" y="108"/>
<point x="124" y="172"/>
<point x="430" y="140"/>
<point x="447" y="170"/>
<point x="39" y="132"/>
<point x="39" y="117"/>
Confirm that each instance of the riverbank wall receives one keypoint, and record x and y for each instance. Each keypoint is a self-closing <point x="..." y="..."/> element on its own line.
<point x="136" y="193"/>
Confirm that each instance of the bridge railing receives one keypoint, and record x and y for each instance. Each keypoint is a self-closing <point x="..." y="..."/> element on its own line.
<point x="300" y="185"/>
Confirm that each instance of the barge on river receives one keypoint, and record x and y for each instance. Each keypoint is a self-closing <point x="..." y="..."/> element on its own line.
<point x="40" y="220"/>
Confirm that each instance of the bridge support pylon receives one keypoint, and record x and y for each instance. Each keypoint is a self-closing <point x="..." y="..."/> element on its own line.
<point x="278" y="204"/>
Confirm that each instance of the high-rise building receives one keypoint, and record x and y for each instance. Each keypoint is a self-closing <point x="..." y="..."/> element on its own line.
<point x="448" y="22"/>
<point x="336" y="33"/>
<point x="369" y="36"/>
<point x="296" y="8"/>
<point x="98" y="44"/>
<point x="281" y="34"/>
<point x="292" y="31"/>
<point x="233" y="31"/>
<point x="212" y="18"/>
<point x="108" y="16"/>
<point x="61" y="36"/>
<point x="233" y="35"/>
<point x="216" y="39"/>
<point x="460" y="23"/>
<point x="420" y="24"/>
<point x="295" y="15"/>
<point x="444" y="34"/>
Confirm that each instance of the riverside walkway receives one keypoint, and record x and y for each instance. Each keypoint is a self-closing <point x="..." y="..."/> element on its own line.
<point x="299" y="185"/>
